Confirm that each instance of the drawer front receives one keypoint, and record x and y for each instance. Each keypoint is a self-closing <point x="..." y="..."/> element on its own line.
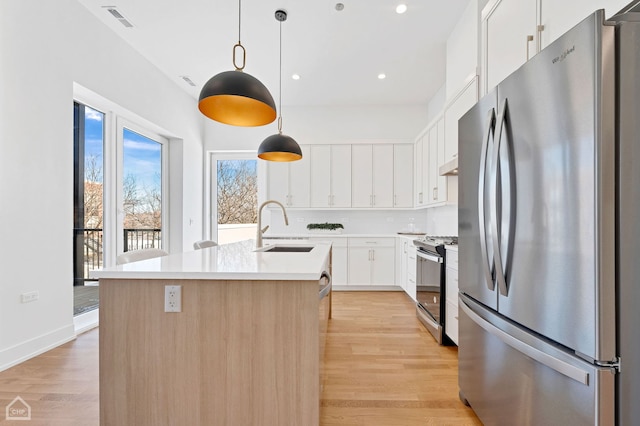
<point x="452" y="286"/>
<point x="336" y="242"/>
<point x="452" y="259"/>
<point x="372" y="242"/>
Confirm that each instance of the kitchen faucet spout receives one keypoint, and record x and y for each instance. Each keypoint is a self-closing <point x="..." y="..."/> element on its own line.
<point x="262" y="230"/>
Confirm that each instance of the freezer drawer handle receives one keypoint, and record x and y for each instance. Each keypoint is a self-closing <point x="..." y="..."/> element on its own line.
<point x="562" y="367"/>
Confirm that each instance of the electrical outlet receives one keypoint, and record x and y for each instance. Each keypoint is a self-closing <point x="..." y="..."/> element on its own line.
<point x="30" y="296"/>
<point x="173" y="298"/>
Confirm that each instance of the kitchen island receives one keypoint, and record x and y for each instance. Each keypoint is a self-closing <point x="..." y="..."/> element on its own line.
<point x="245" y="349"/>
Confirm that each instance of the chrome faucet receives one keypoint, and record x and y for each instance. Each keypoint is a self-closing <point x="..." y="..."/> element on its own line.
<point x="263" y="230"/>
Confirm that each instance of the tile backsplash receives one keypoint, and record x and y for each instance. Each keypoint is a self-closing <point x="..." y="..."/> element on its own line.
<point x="433" y="221"/>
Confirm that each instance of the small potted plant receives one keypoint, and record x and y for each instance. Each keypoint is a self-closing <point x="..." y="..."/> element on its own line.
<point x="327" y="228"/>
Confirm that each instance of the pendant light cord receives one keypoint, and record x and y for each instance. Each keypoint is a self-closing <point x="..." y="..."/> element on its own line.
<point x="280" y="88"/>
<point x="239" y="18"/>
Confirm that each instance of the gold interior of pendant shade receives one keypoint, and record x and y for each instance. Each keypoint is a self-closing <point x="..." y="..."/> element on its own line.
<point x="237" y="110"/>
<point x="280" y="156"/>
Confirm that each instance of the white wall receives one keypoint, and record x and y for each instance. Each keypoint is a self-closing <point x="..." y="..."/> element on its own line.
<point x="319" y="125"/>
<point x="45" y="47"/>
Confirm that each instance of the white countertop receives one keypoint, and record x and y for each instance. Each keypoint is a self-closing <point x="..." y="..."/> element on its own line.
<point x="237" y="261"/>
<point x="316" y="235"/>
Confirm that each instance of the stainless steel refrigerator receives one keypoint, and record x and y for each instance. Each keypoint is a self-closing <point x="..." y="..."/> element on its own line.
<point x="549" y="212"/>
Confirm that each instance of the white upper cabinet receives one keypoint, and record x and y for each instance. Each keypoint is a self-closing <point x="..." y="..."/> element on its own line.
<point x="418" y="168"/>
<point x="382" y="176"/>
<point x="436" y="184"/>
<point x="515" y="30"/>
<point x="509" y="38"/>
<point x="278" y="181"/>
<point x="558" y="17"/>
<point x="403" y="175"/>
<point x="431" y="188"/>
<point x="361" y="176"/>
<point x="289" y="182"/>
<point x="330" y="176"/>
<point x="372" y="176"/>
<point x="457" y="107"/>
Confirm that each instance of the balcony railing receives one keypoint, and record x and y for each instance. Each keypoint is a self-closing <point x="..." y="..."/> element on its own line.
<point x="88" y="248"/>
<point x="136" y="239"/>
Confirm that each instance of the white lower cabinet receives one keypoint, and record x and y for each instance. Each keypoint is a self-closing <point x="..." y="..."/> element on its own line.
<point x="451" y="307"/>
<point x="406" y="265"/>
<point x="412" y="264"/>
<point x="371" y="261"/>
<point x="339" y="259"/>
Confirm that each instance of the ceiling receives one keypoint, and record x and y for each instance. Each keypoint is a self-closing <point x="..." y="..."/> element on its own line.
<point x="338" y="54"/>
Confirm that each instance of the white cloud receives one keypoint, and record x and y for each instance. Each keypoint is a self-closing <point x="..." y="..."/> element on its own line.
<point x="92" y="114"/>
<point x="130" y="144"/>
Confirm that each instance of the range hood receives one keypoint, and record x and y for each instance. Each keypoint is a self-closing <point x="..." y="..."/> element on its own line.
<point x="450" y="168"/>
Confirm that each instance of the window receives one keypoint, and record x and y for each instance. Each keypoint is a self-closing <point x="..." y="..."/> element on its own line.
<point x="141" y="190"/>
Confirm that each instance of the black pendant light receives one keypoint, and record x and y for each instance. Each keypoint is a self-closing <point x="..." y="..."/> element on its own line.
<point x="235" y="97"/>
<point x="280" y="147"/>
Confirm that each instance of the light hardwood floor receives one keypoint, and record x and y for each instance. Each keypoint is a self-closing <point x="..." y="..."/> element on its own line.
<point x="382" y="368"/>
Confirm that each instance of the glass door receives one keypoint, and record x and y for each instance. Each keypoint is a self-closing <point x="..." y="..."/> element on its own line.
<point x="88" y="212"/>
<point x="234" y="196"/>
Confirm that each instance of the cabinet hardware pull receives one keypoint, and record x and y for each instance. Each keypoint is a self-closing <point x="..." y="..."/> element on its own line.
<point x="540" y="29"/>
<point x="529" y="39"/>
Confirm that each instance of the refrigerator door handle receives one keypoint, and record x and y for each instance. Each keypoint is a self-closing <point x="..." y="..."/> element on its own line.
<point x="496" y="232"/>
<point x="561" y="367"/>
<point x="487" y="264"/>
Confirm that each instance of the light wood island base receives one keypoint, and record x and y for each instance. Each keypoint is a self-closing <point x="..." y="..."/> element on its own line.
<point x="239" y="353"/>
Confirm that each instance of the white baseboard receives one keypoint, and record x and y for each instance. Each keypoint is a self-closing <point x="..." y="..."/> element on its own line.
<point x="85" y="322"/>
<point x="366" y="288"/>
<point x="28" y="349"/>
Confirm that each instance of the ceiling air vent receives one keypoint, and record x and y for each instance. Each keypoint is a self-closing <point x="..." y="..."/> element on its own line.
<point x="188" y="80"/>
<point x="113" y="11"/>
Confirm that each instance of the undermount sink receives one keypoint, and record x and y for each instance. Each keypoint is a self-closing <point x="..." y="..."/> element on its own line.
<point x="287" y="249"/>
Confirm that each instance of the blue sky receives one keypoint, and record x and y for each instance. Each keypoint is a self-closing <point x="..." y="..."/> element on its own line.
<point x="142" y="156"/>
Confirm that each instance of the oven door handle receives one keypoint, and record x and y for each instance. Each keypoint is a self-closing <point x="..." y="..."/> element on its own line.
<point x="427" y="256"/>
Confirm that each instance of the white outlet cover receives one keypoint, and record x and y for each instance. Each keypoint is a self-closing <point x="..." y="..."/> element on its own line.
<point x="173" y="298"/>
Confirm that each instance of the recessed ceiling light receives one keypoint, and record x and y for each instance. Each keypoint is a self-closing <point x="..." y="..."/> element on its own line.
<point x="382" y="76"/>
<point x="401" y="8"/>
<point x="295" y="77"/>
<point x="339" y="7"/>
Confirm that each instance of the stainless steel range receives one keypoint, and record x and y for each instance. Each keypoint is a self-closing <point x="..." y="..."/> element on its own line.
<point x="430" y="283"/>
